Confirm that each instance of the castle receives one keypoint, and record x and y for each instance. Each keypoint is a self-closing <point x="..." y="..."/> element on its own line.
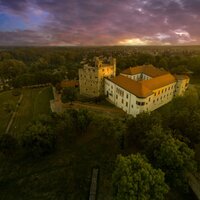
<point x="136" y="89"/>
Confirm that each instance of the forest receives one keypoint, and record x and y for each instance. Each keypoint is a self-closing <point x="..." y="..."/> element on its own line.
<point x="34" y="65"/>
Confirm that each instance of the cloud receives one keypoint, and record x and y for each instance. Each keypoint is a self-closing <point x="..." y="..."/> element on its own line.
<point x="105" y="22"/>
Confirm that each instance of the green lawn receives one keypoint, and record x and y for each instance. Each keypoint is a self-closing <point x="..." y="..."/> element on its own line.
<point x="34" y="103"/>
<point x="6" y="97"/>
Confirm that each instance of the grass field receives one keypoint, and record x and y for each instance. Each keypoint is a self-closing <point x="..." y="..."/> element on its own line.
<point x="6" y="97"/>
<point x="34" y="103"/>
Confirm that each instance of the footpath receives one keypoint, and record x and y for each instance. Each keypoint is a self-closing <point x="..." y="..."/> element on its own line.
<point x="14" y="114"/>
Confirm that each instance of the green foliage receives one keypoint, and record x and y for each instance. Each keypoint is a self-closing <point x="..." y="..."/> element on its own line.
<point x="38" y="139"/>
<point x="11" y="68"/>
<point x="134" y="178"/>
<point x="174" y="157"/>
<point x="81" y="119"/>
<point x="182" y="116"/>
<point x="137" y="126"/>
<point x="64" y="126"/>
<point x="8" y="144"/>
<point x="111" y="130"/>
<point x="69" y="94"/>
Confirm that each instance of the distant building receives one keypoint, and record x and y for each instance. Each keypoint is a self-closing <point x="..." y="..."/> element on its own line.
<point x="91" y="78"/>
<point x="144" y="88"/>
<point x="69" y="83"/>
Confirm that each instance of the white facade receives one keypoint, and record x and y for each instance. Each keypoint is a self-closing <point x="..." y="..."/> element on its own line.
<point x="132" y="104"/>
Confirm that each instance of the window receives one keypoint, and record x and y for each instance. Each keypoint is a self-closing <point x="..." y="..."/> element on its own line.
<point x="165" y="89"/>
<point x="155" y="94"/>
<point x="127" y="96"/>
<point x="158" y="92"/>
<point x="162" y="91"/>
<point x="154" y="101"/>
<point x="116" y="97"/>
<point x="149" y="98"/>
<point x="140" y="103"/>
<point x="126" y="104"/>
<point x="120" y="92"/>
<point x="122" y="100"/>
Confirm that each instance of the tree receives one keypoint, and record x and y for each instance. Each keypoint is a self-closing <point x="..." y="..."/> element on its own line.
<point x="38" y="139"/>
<point x="11" y="68"/>
<point x="171" y="155"/>
<point x="111" y="130"/>
<point x="81" y="119"/>
<point x="134" y="178"/>
<point x="138" y="126"/>
<point x="68" y="95"/>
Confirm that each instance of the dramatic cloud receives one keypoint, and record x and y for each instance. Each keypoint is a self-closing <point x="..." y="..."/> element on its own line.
<point x="94" y="22"/>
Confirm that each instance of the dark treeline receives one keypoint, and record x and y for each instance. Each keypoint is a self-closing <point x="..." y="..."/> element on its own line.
<point x="25" y="66"/>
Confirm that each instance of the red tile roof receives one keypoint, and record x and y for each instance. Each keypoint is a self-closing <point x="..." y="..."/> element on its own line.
<point x="144" y="88"/>
<point x="158" y="82"/>
<point x="149" y="70"/>
<point x="132" y="86"/>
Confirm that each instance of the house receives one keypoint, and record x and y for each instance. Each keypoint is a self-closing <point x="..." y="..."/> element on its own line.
<point x="144" y="88"/>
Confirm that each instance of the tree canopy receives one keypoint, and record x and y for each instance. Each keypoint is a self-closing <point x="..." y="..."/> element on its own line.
<point x="134" y="178"/>
<point x="171" y="155"/>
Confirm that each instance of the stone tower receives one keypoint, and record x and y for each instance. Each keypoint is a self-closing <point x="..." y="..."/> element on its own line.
<point x="91" y="78"/>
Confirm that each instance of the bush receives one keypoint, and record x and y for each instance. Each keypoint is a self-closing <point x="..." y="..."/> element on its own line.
<point x="38" y="140"/>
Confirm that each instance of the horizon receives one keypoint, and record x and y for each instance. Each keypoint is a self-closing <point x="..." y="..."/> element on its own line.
<point x="73" y="23"/>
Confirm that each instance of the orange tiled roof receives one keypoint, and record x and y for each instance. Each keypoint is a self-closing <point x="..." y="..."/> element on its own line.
<point x="132" y="86"/>
<point x="144" y="88"/>
<point x="149" y="70"/>
<point x="158" y="82"/>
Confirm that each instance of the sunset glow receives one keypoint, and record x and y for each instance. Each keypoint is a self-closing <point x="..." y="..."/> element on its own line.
<point x="93" y="22"/>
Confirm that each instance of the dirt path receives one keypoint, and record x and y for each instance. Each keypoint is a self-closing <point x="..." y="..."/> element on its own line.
<point x="95" y="107"/>
<point x="58" y="107"/>
<point x="14" y="114"/>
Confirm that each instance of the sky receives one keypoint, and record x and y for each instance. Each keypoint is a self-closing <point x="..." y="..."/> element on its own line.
<point x="99" y="22"/>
